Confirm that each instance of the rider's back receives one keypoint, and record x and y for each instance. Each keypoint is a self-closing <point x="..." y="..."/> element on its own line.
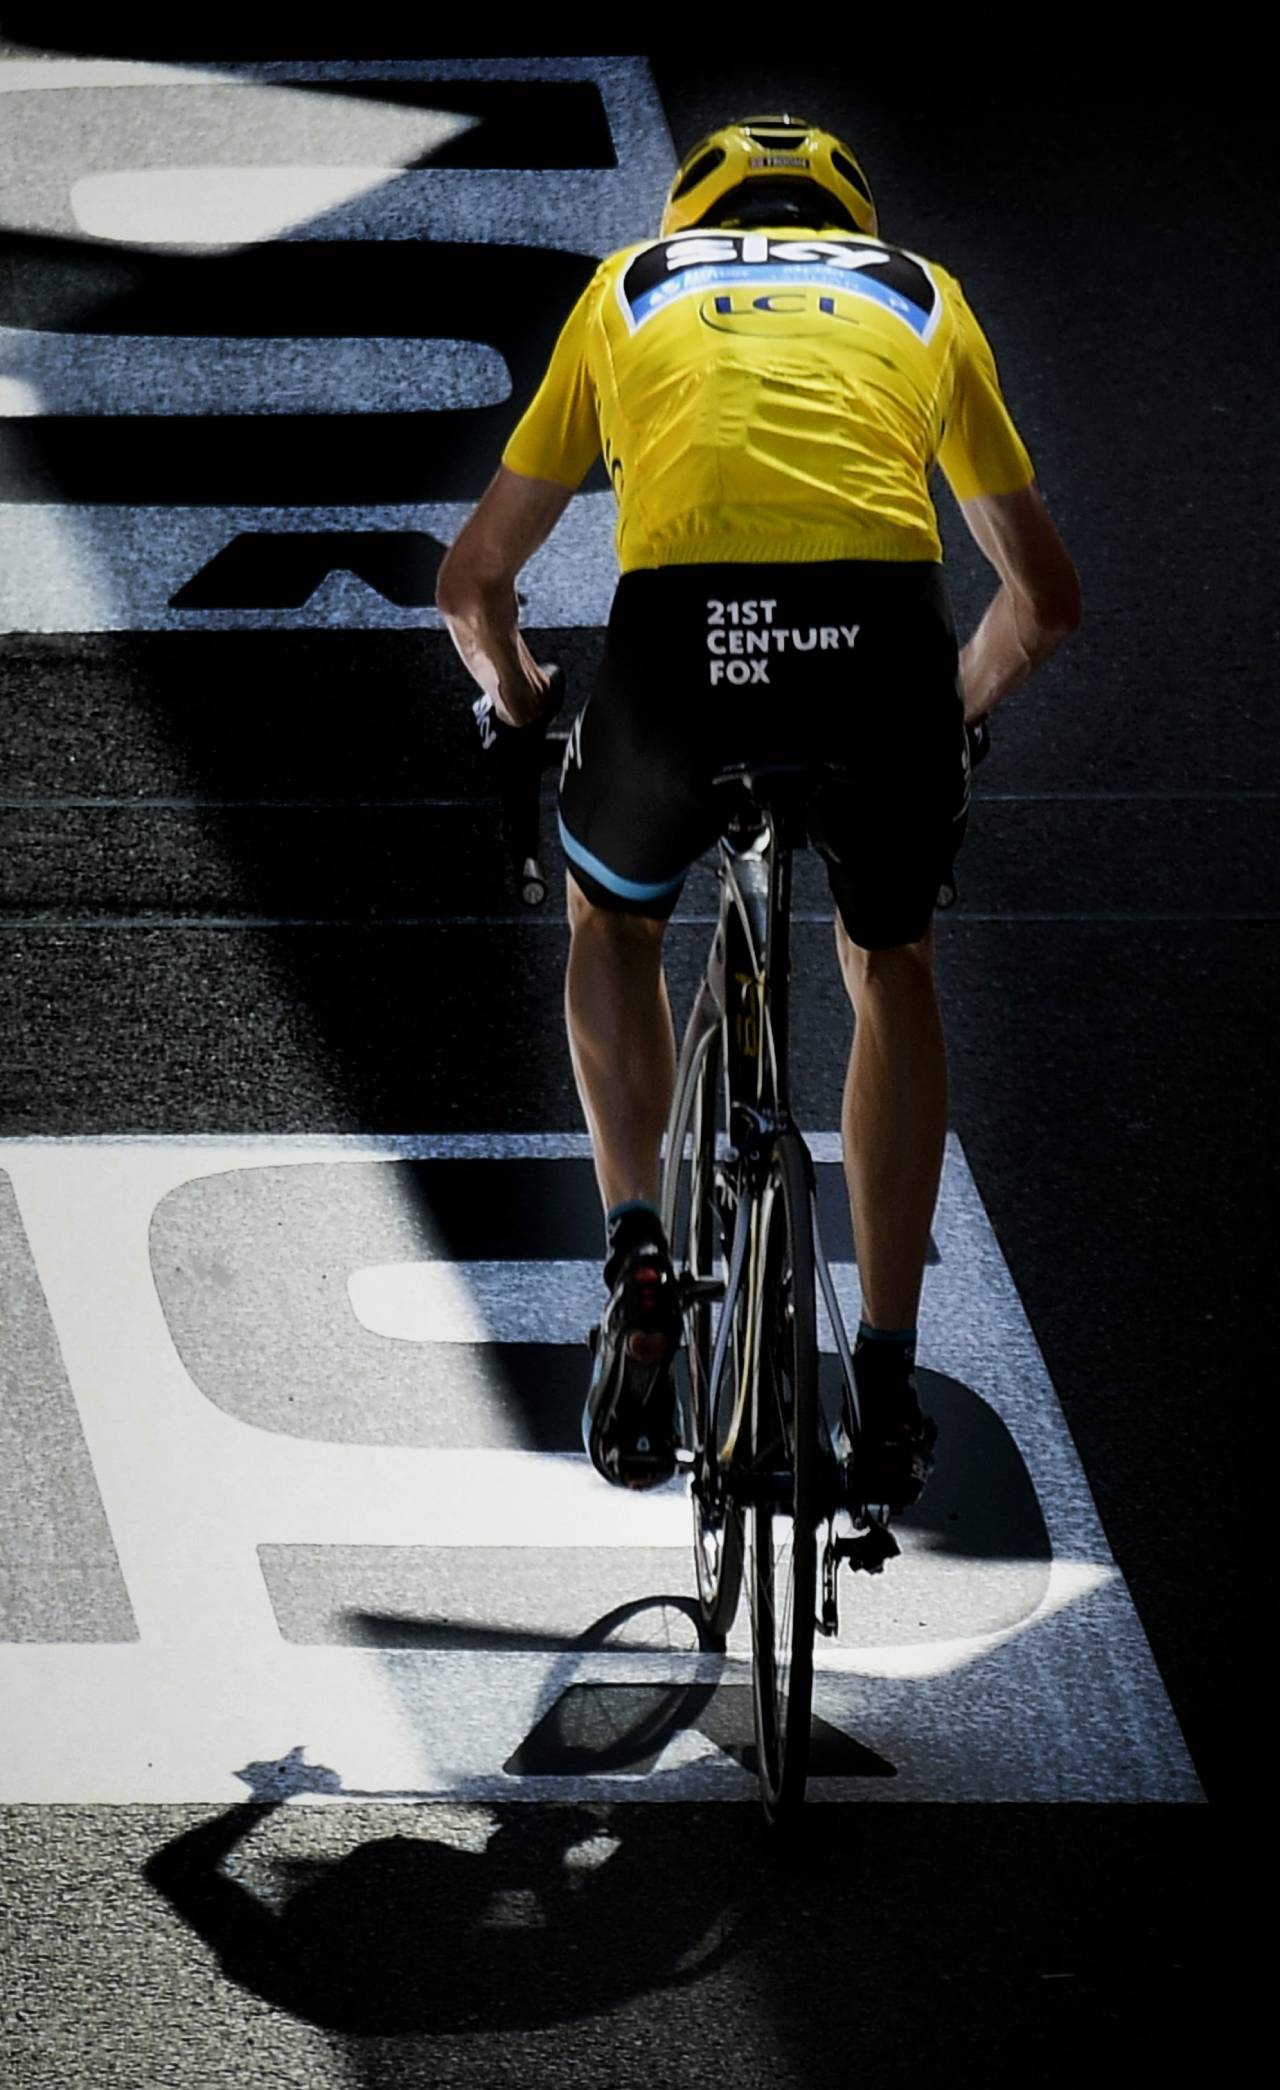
<point x="772" y="395"/>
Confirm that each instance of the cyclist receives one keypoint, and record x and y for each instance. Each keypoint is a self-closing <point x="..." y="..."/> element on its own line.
<point x="770" y="383"/>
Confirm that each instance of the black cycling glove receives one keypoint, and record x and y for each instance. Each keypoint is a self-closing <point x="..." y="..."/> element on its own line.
<point x="516" y="757"/>
<point x="514" y="751"/>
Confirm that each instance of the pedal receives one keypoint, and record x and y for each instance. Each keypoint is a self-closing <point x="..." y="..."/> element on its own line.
<point x="869" y="1551"/>
<point x="829" y="1616"/>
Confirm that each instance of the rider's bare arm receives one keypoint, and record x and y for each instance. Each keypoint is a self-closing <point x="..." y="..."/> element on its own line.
<point x="1038" y="603"/>
<point x="476" y="594"/>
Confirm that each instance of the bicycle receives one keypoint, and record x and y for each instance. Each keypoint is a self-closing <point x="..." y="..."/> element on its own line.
<point x="765" y="1451"/>
<point x="757" y="1436"/>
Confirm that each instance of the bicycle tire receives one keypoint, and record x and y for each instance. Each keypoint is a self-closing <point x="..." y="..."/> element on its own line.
<point x="784" y="1513"/>
<point x="693" y="1222"/>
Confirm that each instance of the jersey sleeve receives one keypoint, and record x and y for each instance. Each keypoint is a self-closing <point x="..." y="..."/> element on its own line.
<point x="558" y="436"/>
<point x="981" y="451"/>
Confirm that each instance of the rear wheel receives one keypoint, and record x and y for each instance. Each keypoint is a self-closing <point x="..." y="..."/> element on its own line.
<point x="698" y="1229"/>
<point x="784" y="1479"/>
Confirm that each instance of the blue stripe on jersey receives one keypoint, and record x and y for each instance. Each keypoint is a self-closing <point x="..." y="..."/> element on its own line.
<point x="625" y="888"/>
<point x="776" y="275"/>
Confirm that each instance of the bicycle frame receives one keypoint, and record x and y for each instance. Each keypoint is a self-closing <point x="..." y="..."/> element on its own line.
<point x="746" y="992"/>
<point x="795" y="1464"/>
<point x="744" y="1001"/>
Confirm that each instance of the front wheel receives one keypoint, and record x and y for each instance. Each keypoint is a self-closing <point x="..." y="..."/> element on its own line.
<point x="784" y="1477"/>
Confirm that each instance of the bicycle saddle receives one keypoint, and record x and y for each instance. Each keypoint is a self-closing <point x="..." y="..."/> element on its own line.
<point x="784" y="785"/>
<point x="778" y="785"/>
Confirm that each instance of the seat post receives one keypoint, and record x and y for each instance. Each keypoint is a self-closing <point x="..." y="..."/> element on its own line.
<point x="780" y="790"/>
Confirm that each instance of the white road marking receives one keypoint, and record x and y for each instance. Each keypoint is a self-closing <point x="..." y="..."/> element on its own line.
<point x="219" y="210"/>
<point x="86" y="568"/>
<point x="582" y="209"/>
<point x="115" y="567"/>
<point x="85" y="374"/>
<point x="1065" y="1703"/>
<point x="498" y="1302"/>
<point x="18" y="398"/>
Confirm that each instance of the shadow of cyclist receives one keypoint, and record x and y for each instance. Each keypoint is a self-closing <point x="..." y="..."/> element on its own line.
<point x="411" y="1934"/>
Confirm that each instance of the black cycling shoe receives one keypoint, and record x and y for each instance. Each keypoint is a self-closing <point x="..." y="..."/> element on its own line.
<point x="893" y="1451"/>
<point x="628" y="1422"/>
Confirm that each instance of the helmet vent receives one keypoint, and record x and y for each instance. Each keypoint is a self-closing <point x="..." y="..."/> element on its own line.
<point x="699" y="171"/>
<point x="844" y="165"/>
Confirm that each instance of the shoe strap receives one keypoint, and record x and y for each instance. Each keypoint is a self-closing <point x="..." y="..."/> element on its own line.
<point x="638" y="1240"/>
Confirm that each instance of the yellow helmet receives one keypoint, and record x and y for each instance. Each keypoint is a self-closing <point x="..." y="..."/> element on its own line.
<point x="713" y="181"/>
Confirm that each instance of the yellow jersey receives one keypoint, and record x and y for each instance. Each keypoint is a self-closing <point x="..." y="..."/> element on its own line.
<point x="772" y="395"/>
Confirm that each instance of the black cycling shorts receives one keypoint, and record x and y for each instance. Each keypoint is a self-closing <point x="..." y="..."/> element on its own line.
<point x="851" y="661"/>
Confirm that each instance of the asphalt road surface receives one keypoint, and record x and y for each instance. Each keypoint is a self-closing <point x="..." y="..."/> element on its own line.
<point x="351" y="1732"/>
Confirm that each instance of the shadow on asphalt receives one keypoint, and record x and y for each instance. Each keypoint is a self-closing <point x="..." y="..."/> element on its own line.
<point x="661" y="1937"/>
<point x="410" y="1934"/>
<point x="652" y="1929"/>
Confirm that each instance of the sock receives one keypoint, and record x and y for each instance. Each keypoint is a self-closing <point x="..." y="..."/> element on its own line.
<point x="903" y="1338"/>
<point x="883" y="1358"/>
<point x="626" y="1223"/>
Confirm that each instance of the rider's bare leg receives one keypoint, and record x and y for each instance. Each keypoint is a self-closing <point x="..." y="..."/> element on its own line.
<point x="622" y="1043"/>
<point x="894" y="1121"/>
